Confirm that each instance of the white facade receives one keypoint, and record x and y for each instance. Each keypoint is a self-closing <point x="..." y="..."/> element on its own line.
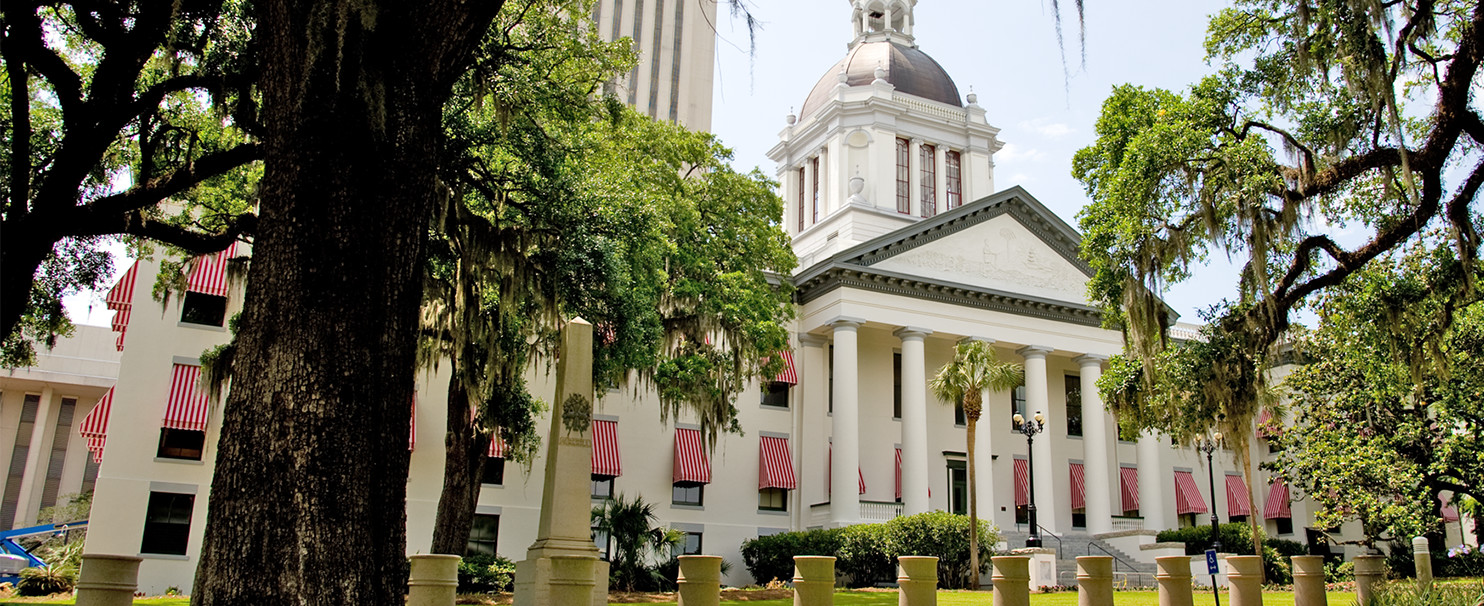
<point x="675" y="42"/>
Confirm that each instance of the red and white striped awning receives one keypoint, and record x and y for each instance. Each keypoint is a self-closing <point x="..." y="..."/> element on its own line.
<point x="186" y="408"/>
<point x="1262" y="423"/>
<point x="605" y="449"/>
<point x="1450" y="513"/>
<point x="1022" y="482"/>
<point x="1079" y="487"/>
<point x="691" y="464"/>
<point x="209" y="272"/>
<point x="788" y="374"/>
<point x="497" y="446"/>
<point x="1236" y="496"/>
<point x="775" y="468"/>
<point x="121" y="299"/>
<point x="1187" y="494"/>
<point x="1277" y="504"/>
<point x="94" y="427"/>
<point x="899" y="473"/>
<point x="1128" y="486"/>
<point x="829" y="473"/>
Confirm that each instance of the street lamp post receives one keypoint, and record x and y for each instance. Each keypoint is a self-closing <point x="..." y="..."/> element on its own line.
<point x="1030" y="429"/>
<point x="1208" y="445"/>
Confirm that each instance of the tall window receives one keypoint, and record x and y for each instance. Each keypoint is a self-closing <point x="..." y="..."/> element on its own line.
<point x="1017" y="402"/>
<point x="955" y="180"/>
<point x="1074" y="405"/>
<point x="958" y="487"/>
<point x="814" y="165"/>
<point x="167" y="523"/>
<point x="484" y="535"/>
<point x="896" y="385"/>
<point x="801" y="199"/>
<point x="904" y="175"/>
<point x="929" y="180"/>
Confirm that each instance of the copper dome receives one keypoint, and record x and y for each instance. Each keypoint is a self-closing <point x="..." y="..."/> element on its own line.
<point x="910" y="70"/>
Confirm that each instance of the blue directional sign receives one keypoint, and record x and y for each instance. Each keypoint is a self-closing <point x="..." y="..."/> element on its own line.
<point x="1211" y="562"/>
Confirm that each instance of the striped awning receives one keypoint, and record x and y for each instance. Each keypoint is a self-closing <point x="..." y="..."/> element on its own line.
<point x="1236" y="496"/>
<point x="1262" y="423"/>
<point x="899" y="473"/>
<point x="691" y="464"/>
<point x="1277" y="505"/>
<point x="605" y="449"/>
<point x="1022" y="482"/>
<point x="775" y="469"/>
<point x="1128" y="486"/>
<point x="788" y="374"/>
<point x="497" y="446"/>
<point x="1187" y="494"/>
<point x="209" y="273"/>
<point x="1450" y="513"/>
<point x="829" y="475"/>
<point x="94" y="427"/>
<point x="186" y="408"/>
<point x="1079" y="487"/>
<point x="121" y="299"/>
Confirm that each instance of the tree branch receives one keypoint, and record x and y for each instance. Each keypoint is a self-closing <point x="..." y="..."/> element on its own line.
<point x="182" y="179"/>
<point x="24" y="43"/>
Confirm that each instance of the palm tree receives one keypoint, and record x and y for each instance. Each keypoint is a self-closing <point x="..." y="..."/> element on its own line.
<point x="974" y="368"/>
<point x="631" y="527"/>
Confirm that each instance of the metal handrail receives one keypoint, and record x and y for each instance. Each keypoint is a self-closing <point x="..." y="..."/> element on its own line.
<point x="1116" y="560"/>
<point x="1048" y="533"/>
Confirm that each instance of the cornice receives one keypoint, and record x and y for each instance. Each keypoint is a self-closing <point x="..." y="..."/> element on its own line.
<point x="839" y="275"/>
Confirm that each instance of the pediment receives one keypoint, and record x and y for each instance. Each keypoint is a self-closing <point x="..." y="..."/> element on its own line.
<point x="997" y="254"/>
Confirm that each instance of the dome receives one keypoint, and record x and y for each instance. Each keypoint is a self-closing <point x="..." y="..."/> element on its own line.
<point x="910" y="70"/>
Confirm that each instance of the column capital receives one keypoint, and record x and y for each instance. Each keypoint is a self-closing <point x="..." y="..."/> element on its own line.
<point x="911" y="332"/>
<point x="810" y="340"/>
<point x="984" y="340"/>
<point x="846" y="322"/>
<point x="1090" y="359"/>
<point x="1034" y="351"/>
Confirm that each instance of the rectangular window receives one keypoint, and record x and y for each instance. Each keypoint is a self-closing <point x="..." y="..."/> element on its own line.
<point x="600" y="539"/>
<point x="955" y="180"/>
<point x="18" y="457"/>
<point x="1022" y="514"/>
<point x="688" y="493"/>
<point x="1285" y="525"/>
<point x="929" y="181"/>
<point x="1187" y="520"/>
<point x="772" y="499"/>
<point x="904" y="176"/>
<point x="1074" y="405"/>
<point x="690" y="545"/>
<point x="60" y="438"/>
<point x="1017" y="403"/>
<point x="959" y="418"/>
<point x="484" y="535"/>
<point x="832" y="379"/>
<point x="494" y="471"/>
<point x="204" y="309"/>
<point x="1238" y="519"/>
<point x="801" y="199"/>
<point x="814" y="163"/>
<point x="181" y="444"/>
<point x="775" y="394"/>
<point x="958" y="487"/>
<point x="602" y="486"/>
<point x="167" y="523"/>
<point x="896" y="385"/>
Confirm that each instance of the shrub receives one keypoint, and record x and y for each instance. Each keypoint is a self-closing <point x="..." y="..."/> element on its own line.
<point x="1236" y="538"/>
<point x="946" y="536"/>
<point x="59" y="574"/>
<point x="1437" y="594"/>
<point x="485" y="573"/>
<point x="1460" y="561"/>
<point x="772" y="557"/>
<point x="1339" y="572"/>
<point x="863" y="555"/>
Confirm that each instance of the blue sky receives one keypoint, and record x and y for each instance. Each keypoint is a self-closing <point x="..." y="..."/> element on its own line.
<point x="1006" y="51"/>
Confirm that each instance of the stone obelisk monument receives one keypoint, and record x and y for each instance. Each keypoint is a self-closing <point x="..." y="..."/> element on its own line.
<point x="562" y="567"/>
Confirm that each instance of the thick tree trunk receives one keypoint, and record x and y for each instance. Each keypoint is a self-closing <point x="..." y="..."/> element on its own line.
<point x="308" y="500"/>
<point x="463" y="472"/>
<point x="21" y="255"/>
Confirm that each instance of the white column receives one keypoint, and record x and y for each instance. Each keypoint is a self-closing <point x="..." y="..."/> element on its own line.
<point x="914" y="421"/>
<point x="914" y="176"/>
<point x="1151" y="489"/>
<point x="989" y="423"/>
<point x="1098" y="463"/>
<point x="808" y="440"/>
<point x="940" y="175"/>
<point x="845" y="501"/>
<point x="1037" y="399"/>
<point x="825" y="206"/>
<point x="808" y="192"/>
<point x="37" y="458"/>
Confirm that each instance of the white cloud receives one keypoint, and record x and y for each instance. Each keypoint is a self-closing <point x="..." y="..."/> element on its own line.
<point x="1020" y="179"/>
<point x="1013" y="153"/>
<point x="1053" y="130"/>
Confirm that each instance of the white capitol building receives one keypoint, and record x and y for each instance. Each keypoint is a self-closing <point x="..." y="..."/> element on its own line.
<point x="906" y="248"/>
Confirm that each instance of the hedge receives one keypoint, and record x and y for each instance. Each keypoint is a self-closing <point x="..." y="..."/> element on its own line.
<point x="866" y="553"/>
<point x="1236" y="538"/>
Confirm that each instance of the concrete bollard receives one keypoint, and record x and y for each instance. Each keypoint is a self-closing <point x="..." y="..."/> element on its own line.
<point x="1011" y="576"/>
<point x="1095" y="581"/>
<point x="433" y="581"/>
<point x="1173" y="576"/>
<point x="107" y="580"/>
<point x="1422" y="555"/>
<point x="700" y="580"/>
<point x="917" y="576"/>
<point x="571" y="579"/>
<point x="1369" y="571"/>
<point x="814" y="580"/>
<point x="1244" y="576"/>
<point x="1308" y="581"/>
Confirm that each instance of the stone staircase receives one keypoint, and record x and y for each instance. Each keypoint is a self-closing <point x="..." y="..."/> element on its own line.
<point x="1127" y="571"/>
